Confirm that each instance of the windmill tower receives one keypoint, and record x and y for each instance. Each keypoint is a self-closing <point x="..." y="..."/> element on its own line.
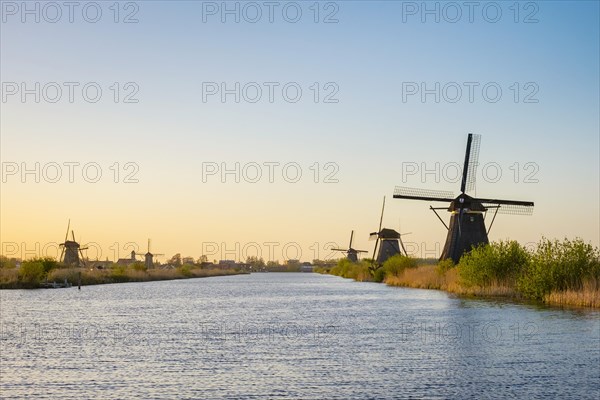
<point x="71" y="250"/>
<point x="148" y="257"/>
<point x="467" y="219"/>
<point x="352" y="254"/>
<point x="389" y="242"/>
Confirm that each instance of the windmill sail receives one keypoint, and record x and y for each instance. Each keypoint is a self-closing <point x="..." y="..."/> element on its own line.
<point x="525" y="208"/>
<point x="402" y="192"/>
<point x="471" y="163"/>
<point x="379" y="230"/>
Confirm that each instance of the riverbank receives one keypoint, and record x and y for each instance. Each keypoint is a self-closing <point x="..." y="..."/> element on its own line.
<point x="560" y="273"/>
<point x="427" y="277"/>
<point x="11" y="279"/>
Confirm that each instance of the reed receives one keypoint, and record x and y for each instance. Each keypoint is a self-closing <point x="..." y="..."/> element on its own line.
<point x="11" y="279"/>
<point x="587" y="296"/>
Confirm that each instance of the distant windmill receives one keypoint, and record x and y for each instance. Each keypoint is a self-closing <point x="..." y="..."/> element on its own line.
<point x="390" y="242"/>
<point x="351" y="253"/>
<point x="467" y="226"/>
<point x="148" y="257"/>
<point x="71" y="250"/>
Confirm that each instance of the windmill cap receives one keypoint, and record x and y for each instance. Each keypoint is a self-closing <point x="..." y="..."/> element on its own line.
<point x="466" y="201"/>
<point x="386" y="233"/>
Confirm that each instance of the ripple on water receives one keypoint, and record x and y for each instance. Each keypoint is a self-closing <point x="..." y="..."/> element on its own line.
<point x="289" y="336"/>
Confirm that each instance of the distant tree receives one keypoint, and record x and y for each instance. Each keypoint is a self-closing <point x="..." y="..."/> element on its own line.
<point x="255" y="262"/>
<point x="292" y="265"/>
<point x="49" y="263"/>
<point x="175" y="260"/>
<point x="202" y="259"/>
<point x="188" y="260"/>
<point x="6" y="262"/>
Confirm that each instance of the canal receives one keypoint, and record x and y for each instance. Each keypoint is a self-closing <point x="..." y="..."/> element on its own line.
<point x="289" y="336"/>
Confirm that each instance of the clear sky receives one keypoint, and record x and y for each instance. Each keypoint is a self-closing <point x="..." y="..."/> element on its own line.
<point x="373" y="119"/>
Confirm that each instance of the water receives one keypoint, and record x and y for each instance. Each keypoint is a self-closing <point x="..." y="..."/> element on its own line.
<point x="289" y="336"/>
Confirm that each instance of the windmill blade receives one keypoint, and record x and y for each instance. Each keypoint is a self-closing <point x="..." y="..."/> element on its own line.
<point x="402" y="245"/>
<point x="506" y="202"/>
<point x="82" y="259"/>
<point x="471" y="161"/>
<point x="470" y="165"/>
<point x="374" y="251"/>
<point x="73" y="234"/>
<point x="351" y="236"/>
<point x="361" y="251"/>
<point x="62" y="253"/>
<point x="401" y="192"/>
<point x="68" y="227"/>
<point x="510" y="208"/>
<point x="381" y="218"/>
<point x="400" y="237"/>
<point x="375" y="235"/>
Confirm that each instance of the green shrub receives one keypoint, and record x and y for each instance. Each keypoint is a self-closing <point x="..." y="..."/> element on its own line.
<point x="32" y="272"/>
<point x="185" y="270"/>
<point x="359" y="271"/>
<point x="118" y="273"/>
<point x="396" y="264"/>
<point x="379" y="275"/>
<point x="559" y="266"/>
<point x="444" y="266"/>
<point x="362" y="270"/>
<point x="341" y="269"/>
<point x="138" y="266"/>
<point x="498" y="262"/>
<point x="48" y="263"/>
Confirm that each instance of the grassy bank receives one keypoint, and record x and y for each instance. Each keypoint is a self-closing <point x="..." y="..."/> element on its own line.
<point x="32" y="274"/>
<point x="556" y="272"/>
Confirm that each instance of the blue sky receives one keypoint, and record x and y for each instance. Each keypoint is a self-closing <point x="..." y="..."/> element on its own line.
<point x="370" y="133"/>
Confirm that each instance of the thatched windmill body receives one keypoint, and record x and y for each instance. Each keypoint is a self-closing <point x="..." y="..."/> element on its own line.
<point x="351" y="253"/>
<point x="467" y="220"/>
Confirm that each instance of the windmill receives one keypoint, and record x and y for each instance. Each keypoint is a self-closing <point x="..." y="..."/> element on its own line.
<point x="391" y="241"/>
<point x="148" y="257"/>
<point x="467" y="220"/>
<point x="71" y="250"/>
<point x="352" y="254"/>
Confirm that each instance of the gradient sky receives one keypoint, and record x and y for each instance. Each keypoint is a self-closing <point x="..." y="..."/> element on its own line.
<point x="371" y="134"/>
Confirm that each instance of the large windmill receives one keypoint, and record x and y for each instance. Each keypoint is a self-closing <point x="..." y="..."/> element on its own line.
<point x="71" y="250"/>
<point x="389" y="242"/>
<point x="467" y="220"/>
<point x="351" y="253"/>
